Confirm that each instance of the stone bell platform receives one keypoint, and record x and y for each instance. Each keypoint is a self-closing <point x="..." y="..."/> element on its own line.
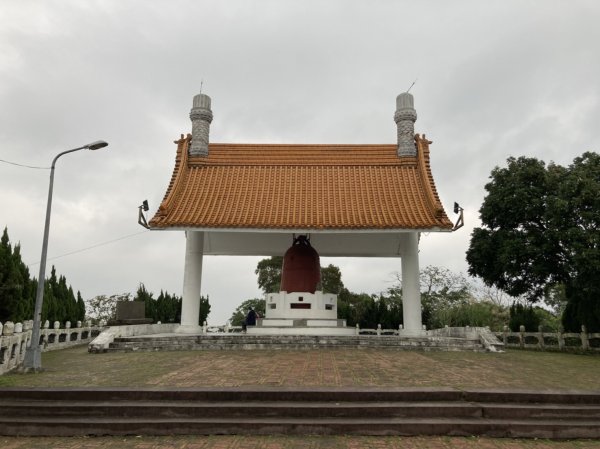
<point x="476" y="339"/>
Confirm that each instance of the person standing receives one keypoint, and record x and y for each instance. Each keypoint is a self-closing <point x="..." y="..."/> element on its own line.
<point x="250" y="319"/>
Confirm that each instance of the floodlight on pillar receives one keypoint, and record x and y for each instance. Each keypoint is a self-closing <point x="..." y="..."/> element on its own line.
<point x="460" y="222"/>
<point x="141" y="217"/>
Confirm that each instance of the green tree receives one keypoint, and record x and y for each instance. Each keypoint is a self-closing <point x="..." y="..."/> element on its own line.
<point x="239" y="315"/>
<point x="331" y="279"/>
<point x="80" y="307"/>
<point x="166" y="308"/>
<point x="521" y="315"/>
<point x="441" y="289"/>
<point x="472" y="313"/>
<point x="269" y="274"/>
<point x="16" y="288"/>
<point x="540" y="228"/>
<point x="147" y="298"/>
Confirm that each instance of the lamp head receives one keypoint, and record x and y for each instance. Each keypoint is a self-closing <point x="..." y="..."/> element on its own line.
<point x="96" y="145"/>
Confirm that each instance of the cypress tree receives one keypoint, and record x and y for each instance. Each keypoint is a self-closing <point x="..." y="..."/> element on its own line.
<point x="80" y="307"/>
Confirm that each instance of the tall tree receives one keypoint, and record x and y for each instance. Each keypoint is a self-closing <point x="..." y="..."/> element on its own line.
<point x="540" y="228"/>
<point x="331" y="279"/>
<point x="269" y="274"/>
<point x="80" y="307"/>
<point x="17" y="291"/>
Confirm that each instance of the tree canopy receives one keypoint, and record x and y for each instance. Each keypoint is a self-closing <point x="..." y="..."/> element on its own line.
<point x="239" y="314"/>
<point x="18" y="290"/>
<point x="269" y="276"/>
<point x="539" y="231"/>
<point x="166" y="308"/>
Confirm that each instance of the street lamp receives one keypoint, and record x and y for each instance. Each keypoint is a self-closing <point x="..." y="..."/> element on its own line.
<point x="33" y="354"/>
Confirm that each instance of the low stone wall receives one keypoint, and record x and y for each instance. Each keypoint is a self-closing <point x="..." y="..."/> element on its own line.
<point x="552" y="341"/>
<point x="103" y="341"/>
<point x="16" y="337"/>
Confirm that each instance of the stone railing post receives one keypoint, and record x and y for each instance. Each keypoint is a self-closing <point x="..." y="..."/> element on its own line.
<point x="540" y="337"/>
<point x="561" y="338"/>
<point x="585" y="342"/>
<point x="379" y="329"/>
<point x="399" y="329"/>
<point x="9" y="329"/>
<point x="204" y="327"/>
<point x="357" y="329"/>
<point x="505" y="335"/>
<point x="522" y="336"/>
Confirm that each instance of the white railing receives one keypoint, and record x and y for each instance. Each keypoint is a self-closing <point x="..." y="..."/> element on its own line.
<point x="16" y="337"/>
<point x="561" y="341"/>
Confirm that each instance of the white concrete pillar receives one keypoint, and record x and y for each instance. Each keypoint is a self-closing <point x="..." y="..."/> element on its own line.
<point x="411" y="291"/>
<point x="192" y="279"/>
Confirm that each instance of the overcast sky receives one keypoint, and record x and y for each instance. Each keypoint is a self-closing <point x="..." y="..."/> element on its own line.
<point x="495" y="79"/>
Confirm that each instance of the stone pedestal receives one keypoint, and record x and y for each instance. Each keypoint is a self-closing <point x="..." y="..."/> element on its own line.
<point x="300" y="313"/>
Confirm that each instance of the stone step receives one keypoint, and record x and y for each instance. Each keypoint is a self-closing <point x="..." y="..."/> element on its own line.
<point x="298" y="394"/>
<point x="316" y="394"/>
<point x="57" y="426"/>
<point x="363" y="411"/>
<point x="189" y="409"/>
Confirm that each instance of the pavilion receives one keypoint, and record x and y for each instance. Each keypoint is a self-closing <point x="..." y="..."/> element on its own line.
<point x="352" y="200"/>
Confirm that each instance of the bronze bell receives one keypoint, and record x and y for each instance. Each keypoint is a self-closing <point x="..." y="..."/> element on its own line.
<point x="301" y="271"/>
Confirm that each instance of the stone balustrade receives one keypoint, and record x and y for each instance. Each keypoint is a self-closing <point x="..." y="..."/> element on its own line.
<point x="16" y="337"/>
<point x="550" y="341"/>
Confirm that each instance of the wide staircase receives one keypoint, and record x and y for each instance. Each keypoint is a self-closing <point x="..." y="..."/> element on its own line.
<point x="245" y="341"/>
<point x="322" y="411"/>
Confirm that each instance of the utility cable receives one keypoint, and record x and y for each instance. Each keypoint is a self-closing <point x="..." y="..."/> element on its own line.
<point x="91" y="247"/>
<point x="23" y="165"/>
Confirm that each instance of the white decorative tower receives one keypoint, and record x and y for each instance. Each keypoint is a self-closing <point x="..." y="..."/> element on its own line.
<point x="201" y="116"/>
<point x="405" y="118"/>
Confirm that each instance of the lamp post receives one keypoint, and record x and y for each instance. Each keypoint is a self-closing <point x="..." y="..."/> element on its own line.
<point x="33" y="354"/>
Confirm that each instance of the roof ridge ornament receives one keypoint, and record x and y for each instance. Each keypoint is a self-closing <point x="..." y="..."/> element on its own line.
<point x="201" y="116"/>
<point x="405" y="118"/>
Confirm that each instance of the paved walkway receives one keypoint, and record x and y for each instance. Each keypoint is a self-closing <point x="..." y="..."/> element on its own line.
<point x="285" y="442"/>
<point x="334" y="367"/>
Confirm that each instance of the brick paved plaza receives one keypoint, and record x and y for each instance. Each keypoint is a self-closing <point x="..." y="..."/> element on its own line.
<point x="336" y="367"/>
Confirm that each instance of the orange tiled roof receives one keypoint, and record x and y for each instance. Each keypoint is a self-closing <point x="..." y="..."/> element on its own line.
<point x="304" y="187"/>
